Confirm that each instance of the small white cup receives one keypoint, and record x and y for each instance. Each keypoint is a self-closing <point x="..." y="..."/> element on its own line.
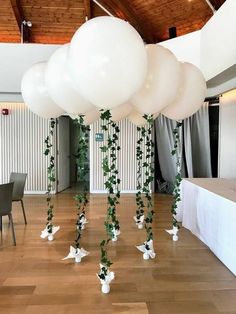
<point x="50" y="237"/>
<point x="105" y="288"/>
<point x="145" y="256"/>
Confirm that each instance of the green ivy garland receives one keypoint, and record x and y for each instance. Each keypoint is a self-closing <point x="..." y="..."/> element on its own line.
<point x="139" y="157"/>
<point x="50" y="174"/>
<point x="178" y="179"/>
<point x="106" y="263"/>
<point x="83" y="169"/>
<point x="149" y="174"/>
<point x="110" y="173"/>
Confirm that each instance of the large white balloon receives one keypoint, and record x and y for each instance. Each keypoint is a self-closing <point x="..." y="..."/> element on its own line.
<point x="192" y="94"/>
<point x="137" y="118"/>
<point x="35" y="93"/>
<point x="108" y="60"/>
<point x="162" y="81"/>
<point x="61" y="86"/>
<point x="121" y="112"/>
<point x="89" y="118"/>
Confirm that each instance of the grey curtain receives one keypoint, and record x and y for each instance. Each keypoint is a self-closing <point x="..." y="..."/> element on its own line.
<point x="196" y="142"/>
<point x="165" y="142"/>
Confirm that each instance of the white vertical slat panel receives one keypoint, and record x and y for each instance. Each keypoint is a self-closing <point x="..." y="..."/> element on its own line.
<point x="127" y="164"/>
<point x="22" y="135"/>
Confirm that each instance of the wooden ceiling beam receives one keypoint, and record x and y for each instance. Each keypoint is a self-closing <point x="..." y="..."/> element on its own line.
<point x="211" y="6"/>
<point x="24" y="30"/>
<point x="123" y="10"/>
<point x="216" y="3"/>
<point x="88" y="9"/>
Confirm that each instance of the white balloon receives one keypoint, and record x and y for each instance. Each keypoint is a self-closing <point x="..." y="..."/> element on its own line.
<point x="162" y="81"/>
<point x="60" y="84"/>
<point x="89" y="118"/>
<point x="35" y="93"/>
<point x="137" y="118"/>
<point x="192" y="94"/>
<point x="121" y="112"/>
<point x="108" y="61"/>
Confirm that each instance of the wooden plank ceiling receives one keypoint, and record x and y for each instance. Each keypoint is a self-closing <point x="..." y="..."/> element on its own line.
<point x="55" y="21"/>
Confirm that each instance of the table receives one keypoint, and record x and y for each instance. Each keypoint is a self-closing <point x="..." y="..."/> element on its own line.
<point x="208" y="210"/>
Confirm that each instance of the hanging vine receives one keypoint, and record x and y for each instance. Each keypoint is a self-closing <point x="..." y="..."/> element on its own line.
<point x="149" y="175"/>
<point x="112" y="182"/>
<point x="82" y="171"/>
<point x="139" y="218"/>
<point x="76" y="252"/>
<point x="48" y="142"/>
<point x="176" y="192"/>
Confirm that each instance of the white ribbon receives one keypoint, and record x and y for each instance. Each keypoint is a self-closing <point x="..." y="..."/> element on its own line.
<point x="115" y="233"/>
<point x="139" y="221"/>
<point x="147" y="248"/>
<point x="174" y="232"/>
<point x="82" y="221"/>
<point x="108" y="278"/>
<point x="45" y="233"/>
<point x="77" y="254"/>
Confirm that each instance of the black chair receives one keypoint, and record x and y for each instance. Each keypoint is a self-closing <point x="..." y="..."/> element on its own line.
<point x="6" y="205"/>
<point x="18" y="189"/>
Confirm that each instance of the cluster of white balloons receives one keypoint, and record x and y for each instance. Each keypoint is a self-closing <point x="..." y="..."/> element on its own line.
<point x="107" y="66"/>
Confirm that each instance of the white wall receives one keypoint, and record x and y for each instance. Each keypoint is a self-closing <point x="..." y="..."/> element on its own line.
<point x="213" y="48"/>
<point x="227" y="136"/>
<point x="186" y="48"/>
<point x="227" y="85"/>
<point x="22" y="135"/>
<point x="223" y="82"/>
<point x="218" y="41"/>
<point x="15" y="59"/>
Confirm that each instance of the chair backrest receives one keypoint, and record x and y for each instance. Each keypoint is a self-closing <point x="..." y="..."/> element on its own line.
<point x="6" y="198"/>
<point x="19" y="185"/>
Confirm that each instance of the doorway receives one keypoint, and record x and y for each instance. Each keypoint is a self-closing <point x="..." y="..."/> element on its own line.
<point x="63" y="153"/>
<point x="67" y="153"/>
<point x="75" y="179"/>
<point x="214" y="137"/>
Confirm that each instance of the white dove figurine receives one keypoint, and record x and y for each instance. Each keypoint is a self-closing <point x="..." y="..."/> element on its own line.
<point x="147" y="249"/>
<point x="174" y="233"/>
<point x="139" y="221"/>
<point x="77" y="254"/>
<point x="50" y="235"/>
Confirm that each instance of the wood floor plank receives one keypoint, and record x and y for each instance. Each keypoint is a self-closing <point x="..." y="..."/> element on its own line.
<point x="129" y="308"/>
<point x="185" y="278"/>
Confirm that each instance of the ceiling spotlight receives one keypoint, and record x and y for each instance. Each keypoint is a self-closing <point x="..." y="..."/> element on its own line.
<point x="27" y="23"/>
<point x="24" y="29"/>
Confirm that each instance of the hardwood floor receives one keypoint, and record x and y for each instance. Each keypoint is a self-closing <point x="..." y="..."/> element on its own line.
<point x="184" y="278"/>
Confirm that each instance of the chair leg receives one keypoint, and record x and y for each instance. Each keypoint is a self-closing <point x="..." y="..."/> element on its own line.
<point x="23" y="209"/>
<point x="12" y="228"/>
<point x="1" y="224"/>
